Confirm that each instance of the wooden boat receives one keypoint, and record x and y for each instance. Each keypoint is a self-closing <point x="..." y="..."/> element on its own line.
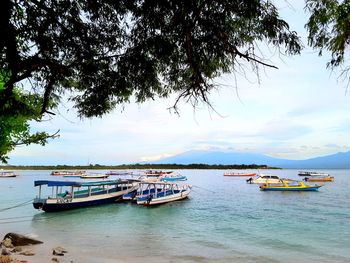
<point x="6" y="174"/>
<point x="161" y="192"/>
<point x="119" y="173"/>
<point x="264" y="179"/>
<point x="306" y="173"/>
<point x="239" y="174"/>
<point x="68" y="173"/>
<point x="94" y="176"/>
<point x="173" y="177"/>
<point x="319" y="179"/>
<point x="289" y="185"/>
<point x="156" y="172"/>
<point x="70" y="195"/>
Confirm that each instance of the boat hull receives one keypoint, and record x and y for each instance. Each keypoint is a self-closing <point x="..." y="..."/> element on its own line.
<point x="326" y="179"/>
<point x="61" y="204"/>
<point x="240" y="174"/>
<point x="165" y="199"/>
<point x="66" y="205"/>
<point x="290" y="189"/>
<point x="173" y="179"/>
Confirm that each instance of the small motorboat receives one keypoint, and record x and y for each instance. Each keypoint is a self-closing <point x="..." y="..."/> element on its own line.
<point x="161" y="192"/>
<point x="7" y="174"/>
<point x="68" y="173"/>
<point x="239" y="174"/>
<point x="156" y="173"/>
<point x="264" y="179"/>
<point x="119" y="173"/>
<point x="319" y="179"/>
<point x="289" y="185"/>
<point x="94" y="176"/>
<point x="306" y="173"/>
<point x="66" y="195"/>
<point x="172" y="177"/>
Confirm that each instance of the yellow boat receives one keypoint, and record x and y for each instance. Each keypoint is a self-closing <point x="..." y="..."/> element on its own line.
<point x="289" y="185"/>
<point x="319" y="179"/>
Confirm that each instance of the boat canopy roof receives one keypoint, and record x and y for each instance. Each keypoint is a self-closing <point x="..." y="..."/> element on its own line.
<point x="79" y="184"/>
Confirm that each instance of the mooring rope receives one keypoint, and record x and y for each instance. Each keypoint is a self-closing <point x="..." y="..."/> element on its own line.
<point x="203" y="188"/>
<point x="15" y="206"/>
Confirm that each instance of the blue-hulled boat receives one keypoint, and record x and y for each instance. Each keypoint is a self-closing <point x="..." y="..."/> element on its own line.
<point x="173" y="177"/>
<point x="67" y="195"/>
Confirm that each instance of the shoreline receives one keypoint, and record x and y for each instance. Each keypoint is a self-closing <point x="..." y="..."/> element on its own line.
<point x="194" y="166"/>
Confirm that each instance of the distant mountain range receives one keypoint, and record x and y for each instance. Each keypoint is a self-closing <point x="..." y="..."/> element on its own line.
<point x="338" y="160"/>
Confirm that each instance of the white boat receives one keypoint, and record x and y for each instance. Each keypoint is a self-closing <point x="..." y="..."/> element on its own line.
<point x="94" y="176"/>
<point x="161" y="192"/>
<point x="7" y="174"/>
<point x="264" y="179"/>
<point x="306" y="173"/>
<point x="68" y="173"/>
<point x="119" y="173"/>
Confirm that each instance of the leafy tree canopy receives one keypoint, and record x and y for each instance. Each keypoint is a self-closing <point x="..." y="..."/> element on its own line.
<point x="329" y="29"/>
<point x="14" y="120"/>
<point x="102" y="53"/>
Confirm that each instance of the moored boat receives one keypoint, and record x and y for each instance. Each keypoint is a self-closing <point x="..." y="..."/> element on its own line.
<point x="6" y="174"/>
<point x="68" y="173"/>
<point x="156" y="172"/>
<point x="319" y="179"/>
<point x="161" y="192"/>
<point x="307" y="173"/>
<point x="119" y="173"/>
<point x="289" y="185"/>
<point x="70" y="195"/>
<point x="239" y="174"/>
<point x="94" y="176"/>
<point x="173" y="177"/>
<point x="264" y="179"/>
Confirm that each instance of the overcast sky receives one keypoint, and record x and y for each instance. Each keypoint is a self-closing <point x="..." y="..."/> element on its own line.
<point x="298" y="111"/>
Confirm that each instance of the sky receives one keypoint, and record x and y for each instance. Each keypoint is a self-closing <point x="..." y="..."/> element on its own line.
<point x="298" y="111"/>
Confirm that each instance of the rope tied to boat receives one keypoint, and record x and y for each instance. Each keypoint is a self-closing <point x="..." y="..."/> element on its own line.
<point x="18" y="205"/>
<point x="204" y="189"/>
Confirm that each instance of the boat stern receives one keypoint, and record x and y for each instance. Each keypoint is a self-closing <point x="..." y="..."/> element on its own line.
<point x="38" y="203"/>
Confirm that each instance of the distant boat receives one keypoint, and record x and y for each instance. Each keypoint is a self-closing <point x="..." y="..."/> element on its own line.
<point x="319" y="179"/>
<point x="289" y="185"/>
<point x="94" y="176"/>
<point x="7" y="174"/>
<point x="306" y="173"/>
<point x="239" y="174"/>
<point x="173" y="177"/>
<point x="68" y="173"/>
<point x="264" y="179"/>
<point x="161" y="192"/>
<point x="156" y="172"/>
<point x="71" y="195"/>
<point x="119" y="173"/>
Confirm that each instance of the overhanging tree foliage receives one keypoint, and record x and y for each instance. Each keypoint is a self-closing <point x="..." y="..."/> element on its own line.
<point x="329" y="29"/>
<point x="15" y="117"/>
<point x="102" y="53"/>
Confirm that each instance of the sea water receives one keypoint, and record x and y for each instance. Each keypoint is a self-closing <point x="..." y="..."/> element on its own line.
<point x="224" y="220"/>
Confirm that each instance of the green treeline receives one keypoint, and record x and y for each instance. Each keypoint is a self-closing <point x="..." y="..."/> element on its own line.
<point x="136" y="166"/>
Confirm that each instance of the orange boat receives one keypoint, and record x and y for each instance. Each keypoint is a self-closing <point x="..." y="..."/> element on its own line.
<point x="239" y="174"/>
<point x="319" y="179"/>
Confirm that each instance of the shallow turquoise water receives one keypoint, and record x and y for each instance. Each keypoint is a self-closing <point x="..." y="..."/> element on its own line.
<point x="231" y="222"/>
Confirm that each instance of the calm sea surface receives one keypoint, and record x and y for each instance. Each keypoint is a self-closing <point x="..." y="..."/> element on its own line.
<point x="224" y="220"/>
